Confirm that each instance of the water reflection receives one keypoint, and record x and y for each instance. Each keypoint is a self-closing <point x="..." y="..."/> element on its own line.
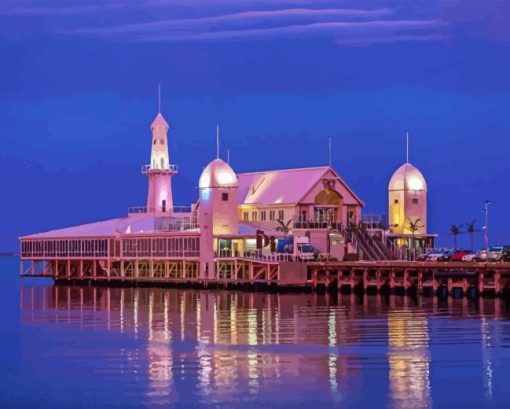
<point x="218" y="347"/>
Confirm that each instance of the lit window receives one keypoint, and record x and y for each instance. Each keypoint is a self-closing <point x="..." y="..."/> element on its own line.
<point x="245" y="216"/>
<point x="271" y="214"/>
<point x="263" y="216"/>
<point x="281" y="215"/>
<point x="254" y="216"/>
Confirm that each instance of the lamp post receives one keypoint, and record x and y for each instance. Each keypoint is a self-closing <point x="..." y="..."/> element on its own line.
<point x="487" y="203"/>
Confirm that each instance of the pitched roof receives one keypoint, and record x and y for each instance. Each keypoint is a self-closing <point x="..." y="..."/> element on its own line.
<point x="286" y="186"/>
<point x="105" y="228"/>
<point x="159" y="121"/>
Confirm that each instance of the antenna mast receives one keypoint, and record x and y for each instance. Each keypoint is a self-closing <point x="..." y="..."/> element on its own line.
<point x="217" y="141"/>
<point x="159" y="98"/>
<point x="407" y="147"/>
<point x="329" y="154"/>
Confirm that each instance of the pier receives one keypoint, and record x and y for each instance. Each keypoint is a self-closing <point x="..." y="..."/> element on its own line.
<point x="280" y="274"/>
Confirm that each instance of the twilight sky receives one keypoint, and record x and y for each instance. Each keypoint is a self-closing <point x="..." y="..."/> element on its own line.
<point x="78" y="91"/>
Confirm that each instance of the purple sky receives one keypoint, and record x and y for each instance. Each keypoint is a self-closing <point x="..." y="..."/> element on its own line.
<point x="78" y="91"/>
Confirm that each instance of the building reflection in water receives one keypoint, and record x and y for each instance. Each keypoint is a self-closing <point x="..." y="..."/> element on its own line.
<point x="232" y="345"/>
<point x="409" y="359"/>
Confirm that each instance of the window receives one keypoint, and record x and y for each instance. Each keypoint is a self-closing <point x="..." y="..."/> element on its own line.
<point x="415" y="200"/>
<point x="163" y="205"/>
<point x="263" y="216"/>
<point x="254" y="216"/>
<point x="224" y="196"/>
<point x="281" y="214"/>
<point x="271" y="214"/>
<point x="245" y="216"/>
<point x="395" y="201"/>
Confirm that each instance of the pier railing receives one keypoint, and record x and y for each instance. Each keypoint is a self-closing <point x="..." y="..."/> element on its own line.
<point x="275" y="257"/>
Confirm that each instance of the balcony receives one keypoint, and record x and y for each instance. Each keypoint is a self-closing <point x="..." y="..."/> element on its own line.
<point x="168" y="224"/>
<point x="178" y="212"/>
<point x="373" y="221"/>
<point x="317" y="222"/>
<point x="148" y="168"/>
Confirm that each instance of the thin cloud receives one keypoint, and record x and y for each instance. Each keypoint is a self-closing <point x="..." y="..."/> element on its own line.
<point x="240" y="17"/>
<point x="389" y="39"/>
<point x="9" y="9"/>
<point x="303" y="30"/>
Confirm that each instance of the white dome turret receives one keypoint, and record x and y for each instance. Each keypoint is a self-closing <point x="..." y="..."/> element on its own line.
<point x="407" y="200"/>
<point x="407" y="177"/>
<point x="218" y="174"/>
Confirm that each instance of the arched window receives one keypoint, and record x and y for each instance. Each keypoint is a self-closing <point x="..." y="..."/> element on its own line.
<point x="328" y="197"/>
<point x="162" y="163"/>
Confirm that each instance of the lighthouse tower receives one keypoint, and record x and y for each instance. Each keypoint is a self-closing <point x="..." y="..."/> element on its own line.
<point x="407" y="199"/>
<point x="159" y="171"/>
<point x="217" y="210"/>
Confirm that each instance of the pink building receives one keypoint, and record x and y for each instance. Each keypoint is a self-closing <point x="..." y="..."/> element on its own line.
<point x="243" y="227"/>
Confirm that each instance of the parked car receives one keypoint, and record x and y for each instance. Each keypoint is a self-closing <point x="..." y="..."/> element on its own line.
<point x="459" y="254"/>
<point x="471" y="256"/>
<point x="446" y="256"/>
<point x="423" y="256"/>
<point x="435" y="256"/>
<point x="496" y="253"/>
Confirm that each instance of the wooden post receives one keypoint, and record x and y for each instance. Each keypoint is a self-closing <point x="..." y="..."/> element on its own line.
<point x="365" y="280"/>
<point x="137" y="269"/>
<point x="497" y="282"/>
<point x="81" y="268"/>
<point x="68" y="273"/>
<point x="465" y="287"/>
<point x="405" y="276"/>
<point x="435" y="283"/>
<point x="94" y="269"/>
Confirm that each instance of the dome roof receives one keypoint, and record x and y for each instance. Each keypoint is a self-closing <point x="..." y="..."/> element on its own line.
<point x="218" y="174"/>
<point x="407" y="177"/>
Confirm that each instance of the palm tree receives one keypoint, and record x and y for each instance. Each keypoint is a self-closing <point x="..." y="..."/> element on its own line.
<point x="414" y="226"/>
<point x="285" y="228"/>
<point x="471" y="230"/>
<point x="455" y="230"/>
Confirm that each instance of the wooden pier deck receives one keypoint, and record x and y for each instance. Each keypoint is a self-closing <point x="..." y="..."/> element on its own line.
<point x="444" y="278"/>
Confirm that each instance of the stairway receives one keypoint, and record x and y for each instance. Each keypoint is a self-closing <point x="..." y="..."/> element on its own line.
<point x="370" y="249"/>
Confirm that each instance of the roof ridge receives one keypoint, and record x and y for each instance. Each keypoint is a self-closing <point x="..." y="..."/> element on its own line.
<point x="285" y="170"/>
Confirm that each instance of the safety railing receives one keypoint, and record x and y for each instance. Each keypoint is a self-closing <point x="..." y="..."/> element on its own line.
<point x="170" y="168"/>
<point x="318" y="222"/>
<point x="275" y="257"/>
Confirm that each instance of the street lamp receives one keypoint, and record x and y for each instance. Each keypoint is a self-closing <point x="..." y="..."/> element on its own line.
<point x="487" y="203"/>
